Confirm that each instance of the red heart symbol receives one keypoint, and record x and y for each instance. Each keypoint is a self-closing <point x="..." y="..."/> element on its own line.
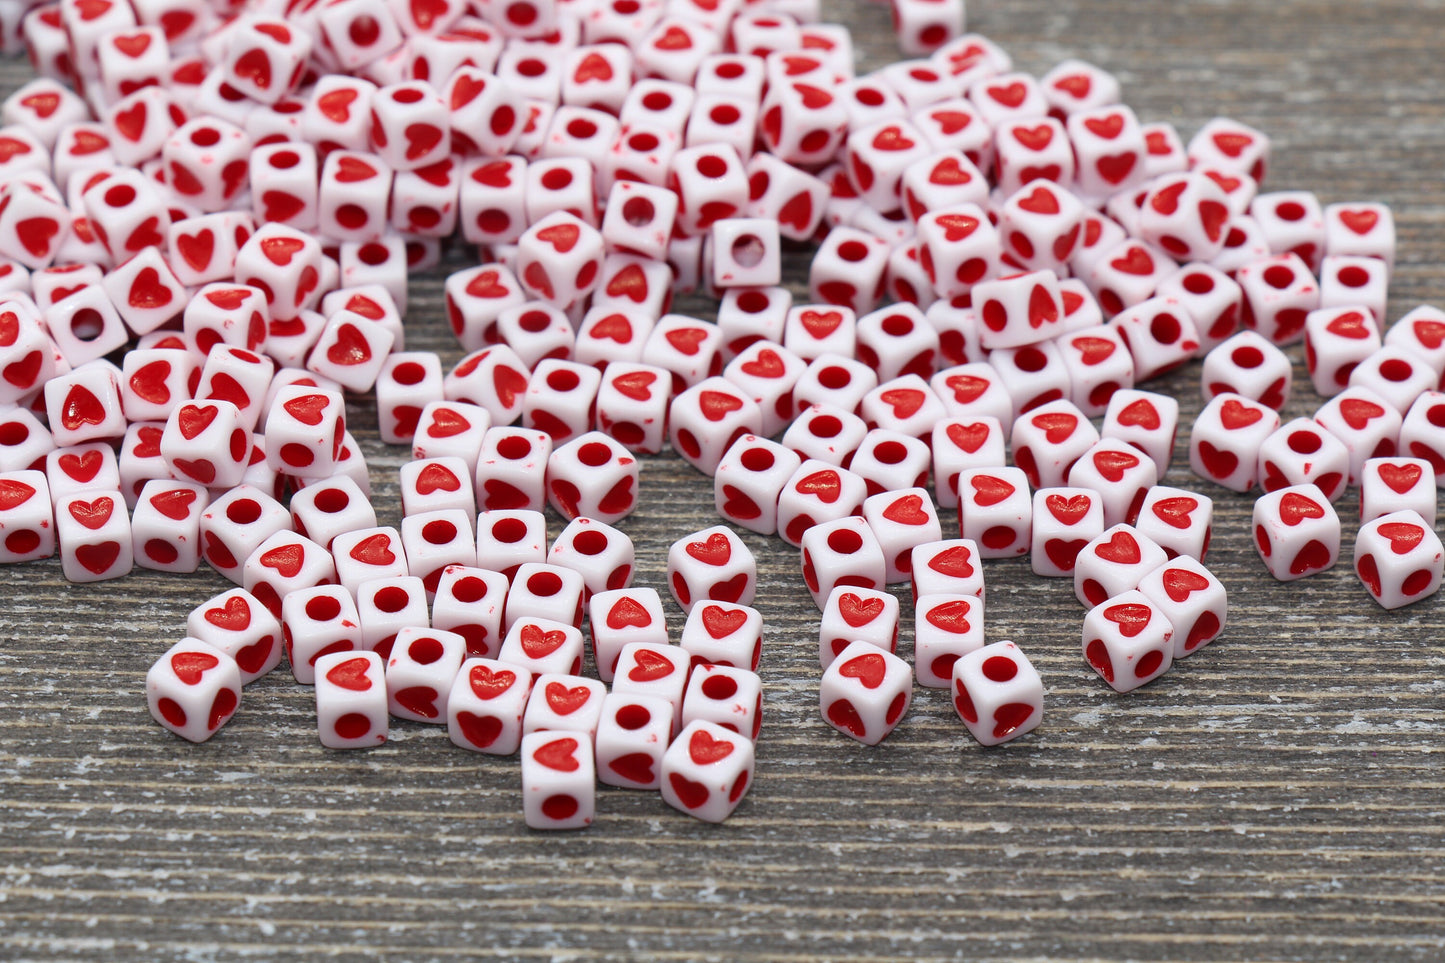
<point x="1011" y="95"/>
<point x="1034" y="138"/>
<point x="1094" y="350"/>
<point x="149" y="382"/>
<point x="950" y="121"/>
<point x="1131" y="617"/>
<point x="1140" y="414"/>
<point x="14" y="493"/>
<point x="673" y="38"/>
<point x="81" y="407"/>
<point x="1106" y="127"/>
<point x="594" y="66"/>
<point x="949" y="173"/>
<point x="480" y="731"/>
<point x="564" y="700"/>
<point x="1098" y="655"/>
<point x="1400" y="478"/>
<point x="418" y="699"/>
<point x="1218" y="462"/>
<point x="721" y="622"/>
<point x="350" y="346"/>
<point x="234" y="615"/>
<point x="23" y="373"/>
<point x="538" y="643"/>
<point x="43" y="104"/>
<point x="374" y="550"/>
<point x="1351" y="324"/>
<point x="1235" y="415"/>
<point x="336" y="105"/>
<point x="559" y="754"/>
<point x="488" y="683"/>
<point x="636" y="385"/>
<point x="1369" y="572"/>
<point x="1213" y="216"/>
<point x="1041" y="201"/>
<point x="716" y="550"/>
<point x="436" y="477"/>
<point x="966" y="388"/>
<point x="1175" y="511"/>
<point x="1232" y="144"/>
<point x="226" y="388"/>
<point x="194" y="419"/>
<point x="421" y="139"/>
<point x="892" y="138"/>
<point x="990" y="490"/>
<point x="738" y="505"/>
<point x="1113" y="464"/>
<point x="488" y="284"/>
<point x="857" y="611"/>
<point x="93" y="514"/>
<point x="98" y="559"/>
<point x="955" y="562"/>
<point x="1113" y="168"/>
<point x="1295" y="508"/>
<point x="1136" y="262"/>
<point x="613" y="327"/>
<point x="705" y="750"/>
<point x="36" y="233"/>
<point x="350" y="170"/>
<point x="956" y="227"/>
<point x="199" y="469"/>
<point x="351" y="674"/>
<point x="842" y="714"/>
<point x="562" y="237"/>
<point x="285" y="559"/>
<point x="85" y="466"/>
<point x="1056" y="425"/>
<point x="253" y="66"/>
<point x="825" y="485"/>
<point x="820" y="324"/>
<point x="1064" y="553"/>
<point x="222" y="707"/>
<point x="148" y="445"/>
<point x="812" y="97"/>
<point x="904" y="401"/>
<point x="869" y="669"/>
<point x="628" y="612"/>
<point x="1402" y="535"/>
<point x="1121" y="548"/>
<point x="307" y="409"/>
<point x="1361" y="222"/>
<point x="765" y="364"/>
<point x="1314" y="556"/>
<point x="797" y="212"/>
<point x="969" y="438"/>
<point x="715" y="405"/>
<point x="465" y="89"/>
<point x="447" y="422"/>
<point x="686" y="340"/>
<point x="1068" y="510"/>
<point x="637" y="767"/>
<point x="630" y="283"/>
<point x="278" y="206"/>
<point x="190" y="666"/>
<point x="649" y="666"/>
<point x="1358" y="412"/>
<point x="1166" y="199"/>
<point x="1008" y="717"/>
<point x="690" y="794"/>
<point x="907" y="510"/>
<point x="1180" y="583"/>
<point x="175" y="504"/>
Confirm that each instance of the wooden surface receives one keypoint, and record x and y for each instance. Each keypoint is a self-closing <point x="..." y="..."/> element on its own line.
<point x="1277" y="796"/>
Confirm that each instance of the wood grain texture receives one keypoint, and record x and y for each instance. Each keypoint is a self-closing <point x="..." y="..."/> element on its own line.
<point x="1277" y="796"/>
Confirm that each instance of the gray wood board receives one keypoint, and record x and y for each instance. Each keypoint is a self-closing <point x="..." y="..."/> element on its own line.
<point x="1277" y="796"/>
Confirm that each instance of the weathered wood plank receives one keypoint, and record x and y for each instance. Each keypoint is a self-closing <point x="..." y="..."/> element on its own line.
<point x="1277" y="796"/>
